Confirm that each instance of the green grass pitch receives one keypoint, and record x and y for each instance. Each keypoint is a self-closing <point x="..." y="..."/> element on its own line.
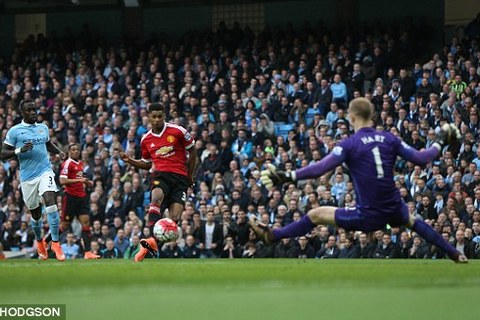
<point x="247" y="289"/>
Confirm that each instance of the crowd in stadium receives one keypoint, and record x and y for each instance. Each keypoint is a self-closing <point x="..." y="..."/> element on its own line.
<point x="279" y="96"/>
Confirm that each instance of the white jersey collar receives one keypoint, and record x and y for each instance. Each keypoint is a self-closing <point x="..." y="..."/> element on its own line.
<point x="23" y="123"/>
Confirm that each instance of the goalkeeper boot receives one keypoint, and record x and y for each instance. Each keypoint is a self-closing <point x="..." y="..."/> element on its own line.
<point x="42" y="249"/>
<point x="458" y="258"/>
<point x="57" y="249"/>
<point x="147" y="246"/>
<point x="263" y="232"/>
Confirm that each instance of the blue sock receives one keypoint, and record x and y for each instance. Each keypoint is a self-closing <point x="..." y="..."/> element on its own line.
<point x="295" y="229"/>
<point x="37" y="228"/>
<point x="53" y="221"/>
<point x="433" y="237"/>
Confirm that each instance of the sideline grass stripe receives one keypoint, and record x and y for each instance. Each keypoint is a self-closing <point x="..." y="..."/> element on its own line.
<point x="253" y="289"/>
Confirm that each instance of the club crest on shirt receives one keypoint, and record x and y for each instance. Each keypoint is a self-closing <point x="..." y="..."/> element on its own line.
<point x="40" y="131"/>
<point x="170" y="139"/>
<point x="164" y="150"/>
<point x="337" y="150"/>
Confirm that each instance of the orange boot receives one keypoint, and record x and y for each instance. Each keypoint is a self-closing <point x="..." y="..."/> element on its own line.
<point x="58" y="251"/>
<point x="42" y="249"/>
<point x="148" y="245"/>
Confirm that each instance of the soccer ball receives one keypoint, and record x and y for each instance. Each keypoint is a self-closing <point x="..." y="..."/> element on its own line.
<point x="165" y="230"/>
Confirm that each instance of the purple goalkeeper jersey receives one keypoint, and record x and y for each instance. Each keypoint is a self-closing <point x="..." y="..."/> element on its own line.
<point x="370" y="156"/>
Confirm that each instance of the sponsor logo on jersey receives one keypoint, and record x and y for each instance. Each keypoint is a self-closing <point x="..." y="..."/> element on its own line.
<point x="164" y="150"/>
<point x="36" y="141"/>
<point x="170" y="139"/>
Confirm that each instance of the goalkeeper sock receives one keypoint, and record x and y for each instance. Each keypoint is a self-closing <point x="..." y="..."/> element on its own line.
<point x="154" y="215"/>
<point x="295" y="229"/>
<point x="432" y="236"/>
<point x="37" y="228"/>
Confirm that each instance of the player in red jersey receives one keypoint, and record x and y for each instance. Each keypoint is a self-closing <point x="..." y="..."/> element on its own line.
<point x="169" y="150"/>
<point x="74" y="201"/>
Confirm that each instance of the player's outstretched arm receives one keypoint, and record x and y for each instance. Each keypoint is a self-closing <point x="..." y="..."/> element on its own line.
<point x="9" y="152"/>
<point x="328" y="163"/>
<point x="135" y="162"/>
<point x="273" y="177"/>
<point x="447" y="135"/>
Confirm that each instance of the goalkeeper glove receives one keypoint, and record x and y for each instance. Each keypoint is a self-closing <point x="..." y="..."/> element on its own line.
<point x="273" y="177"/>
<point x="448" y="134"/>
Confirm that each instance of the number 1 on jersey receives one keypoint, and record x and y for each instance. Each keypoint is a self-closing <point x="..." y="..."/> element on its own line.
<point x="378" y="162"/>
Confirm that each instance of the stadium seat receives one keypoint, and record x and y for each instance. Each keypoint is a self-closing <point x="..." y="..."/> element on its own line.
<point x="146" y="198"/>
<point x="283" y="129"/>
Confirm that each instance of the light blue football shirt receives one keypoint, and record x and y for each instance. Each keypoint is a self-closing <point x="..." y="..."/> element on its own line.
<point x="36" y="162"/>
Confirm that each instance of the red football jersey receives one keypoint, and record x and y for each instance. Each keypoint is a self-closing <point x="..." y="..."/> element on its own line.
<point x="72" y="169"/>
<point x="167" y="150"/>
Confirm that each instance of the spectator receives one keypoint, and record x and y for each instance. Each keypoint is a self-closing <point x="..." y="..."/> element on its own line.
<point x="242" y="146"/>
<point x="24" y="236"/>
<point x="210" y="237"/>
<point x="283" y="248"/>
<point x="339" y="91"/>
<point x="171" y="250"/>
<point x="404" y="245"/>
<point x="70" y="248"/>
<point x="386" y="249"/>
<point x="110" y="252"/>
<point x="250" y="251"/>
<point x="339" y="188"/>
<point x="418" y="250"/>
<point x="462" y="244"/>
<point x="95" y="252"/>
<point x="350" y="250"/>
<point x="191" y="250"/>
<point x="121" y="242"/>
<point x="366" y="248"/>
<point x="230" y="250"/>
<point x="330" y="250"/>
<point x="302" y="250"/>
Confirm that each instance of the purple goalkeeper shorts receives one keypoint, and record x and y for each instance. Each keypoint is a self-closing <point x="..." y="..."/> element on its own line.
<point x="368" y="220"/>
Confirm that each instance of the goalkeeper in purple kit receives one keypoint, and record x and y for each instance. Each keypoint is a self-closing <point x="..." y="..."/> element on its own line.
<point x="370" y="156"/>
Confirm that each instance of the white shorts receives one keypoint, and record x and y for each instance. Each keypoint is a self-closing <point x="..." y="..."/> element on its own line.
<point x="33" y="190"/>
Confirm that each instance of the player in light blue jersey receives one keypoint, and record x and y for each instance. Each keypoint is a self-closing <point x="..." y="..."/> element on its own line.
<point x="29" y="141"/>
